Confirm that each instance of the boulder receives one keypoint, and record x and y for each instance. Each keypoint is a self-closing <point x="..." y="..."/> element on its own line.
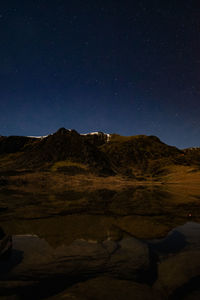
<point x="108" y="288"/>
<point x="177" y="271"/>
<point x="130" y="260"/>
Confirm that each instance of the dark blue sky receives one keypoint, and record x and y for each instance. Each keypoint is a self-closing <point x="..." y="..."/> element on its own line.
<point x="127" y="67"/>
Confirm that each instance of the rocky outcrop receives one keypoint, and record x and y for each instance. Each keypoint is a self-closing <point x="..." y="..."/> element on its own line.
<point x="179" y="273"/>
<point x="85" y="267"/>
<point x="34" y="260"/>
<point x="108" y="288"/>
<point x="130" y="260"/>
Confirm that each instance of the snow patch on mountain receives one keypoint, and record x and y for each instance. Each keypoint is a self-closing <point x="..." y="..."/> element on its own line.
<point x="38" y="137"/>
<point x="108" y="136"/>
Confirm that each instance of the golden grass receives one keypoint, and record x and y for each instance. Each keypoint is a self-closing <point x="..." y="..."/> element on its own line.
<point x="179" y="201"/>
<point x="60" y="182"/>
<point x="182" y="175"/>
<point x="120" y="138"/>
<point x="66" y="163"/>
<point x="7" y="159"/>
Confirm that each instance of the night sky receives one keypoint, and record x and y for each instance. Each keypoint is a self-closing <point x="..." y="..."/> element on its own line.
<point x="127" y="67"/>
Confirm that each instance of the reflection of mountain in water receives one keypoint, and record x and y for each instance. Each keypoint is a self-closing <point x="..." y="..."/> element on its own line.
<point x="142" y="211"/>
<point x="85" y="243"/>
<point x="158" y="269"/>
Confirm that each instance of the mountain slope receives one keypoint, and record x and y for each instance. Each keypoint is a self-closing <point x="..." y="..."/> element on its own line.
<point x="13" y="144"/>
<point x="102" y="154"/>
<point x="62" y="146"/>
<point x="130" y="154"/>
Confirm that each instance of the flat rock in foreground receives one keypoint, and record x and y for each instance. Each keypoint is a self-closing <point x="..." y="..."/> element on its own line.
<point x="108" y="288"/>
<point x="34" y="260"/>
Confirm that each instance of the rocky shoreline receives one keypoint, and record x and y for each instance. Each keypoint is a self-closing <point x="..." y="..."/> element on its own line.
<point x="150" y="270"/>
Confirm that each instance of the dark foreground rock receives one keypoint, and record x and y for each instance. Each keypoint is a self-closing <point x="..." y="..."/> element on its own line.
<point x="5" y="244"/>
<point x="34" y="261"/>
<point x="178" y="271"/>
<point x="111" y="269"/>
<point x="108" y="288"/>
<point x="129" y="260"/>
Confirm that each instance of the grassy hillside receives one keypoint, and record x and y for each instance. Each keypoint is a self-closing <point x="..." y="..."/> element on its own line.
<point x="140" y="158"/>
<point x="139" y="154"/>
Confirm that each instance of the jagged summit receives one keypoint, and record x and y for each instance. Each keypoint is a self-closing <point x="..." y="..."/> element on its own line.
<point x="63" y="131"/>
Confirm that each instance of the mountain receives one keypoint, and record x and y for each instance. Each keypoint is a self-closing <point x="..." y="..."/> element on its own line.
<point x="13" y="144"/>
<point x="143" y="153"/>
<point x="76" y="152"/>
<point x="97" y="153"/>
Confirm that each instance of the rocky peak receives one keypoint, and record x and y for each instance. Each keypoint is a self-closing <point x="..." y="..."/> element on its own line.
<point x="63" y="131"/>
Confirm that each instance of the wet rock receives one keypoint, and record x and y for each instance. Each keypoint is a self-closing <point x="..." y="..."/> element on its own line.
<point x="33" y="260"/>
<point x="116" y="257"/>
<point x="110" y="246"/>
<point x="39" y="260"/>
<point x="108" y="288"/>
<point x="82" y="258"/>
<point x="130" y="260"/>
<point x="177" y="271"/>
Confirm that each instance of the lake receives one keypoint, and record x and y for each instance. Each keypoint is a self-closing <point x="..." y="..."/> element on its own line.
<point x="102" y="244"/>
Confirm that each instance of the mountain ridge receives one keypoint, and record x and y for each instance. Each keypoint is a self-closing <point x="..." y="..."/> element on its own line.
<point x="67" y="152"/>
<point x="97" y="153"/>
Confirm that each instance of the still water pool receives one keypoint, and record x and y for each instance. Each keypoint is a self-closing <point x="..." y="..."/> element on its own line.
<point x="141" y="243"/>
